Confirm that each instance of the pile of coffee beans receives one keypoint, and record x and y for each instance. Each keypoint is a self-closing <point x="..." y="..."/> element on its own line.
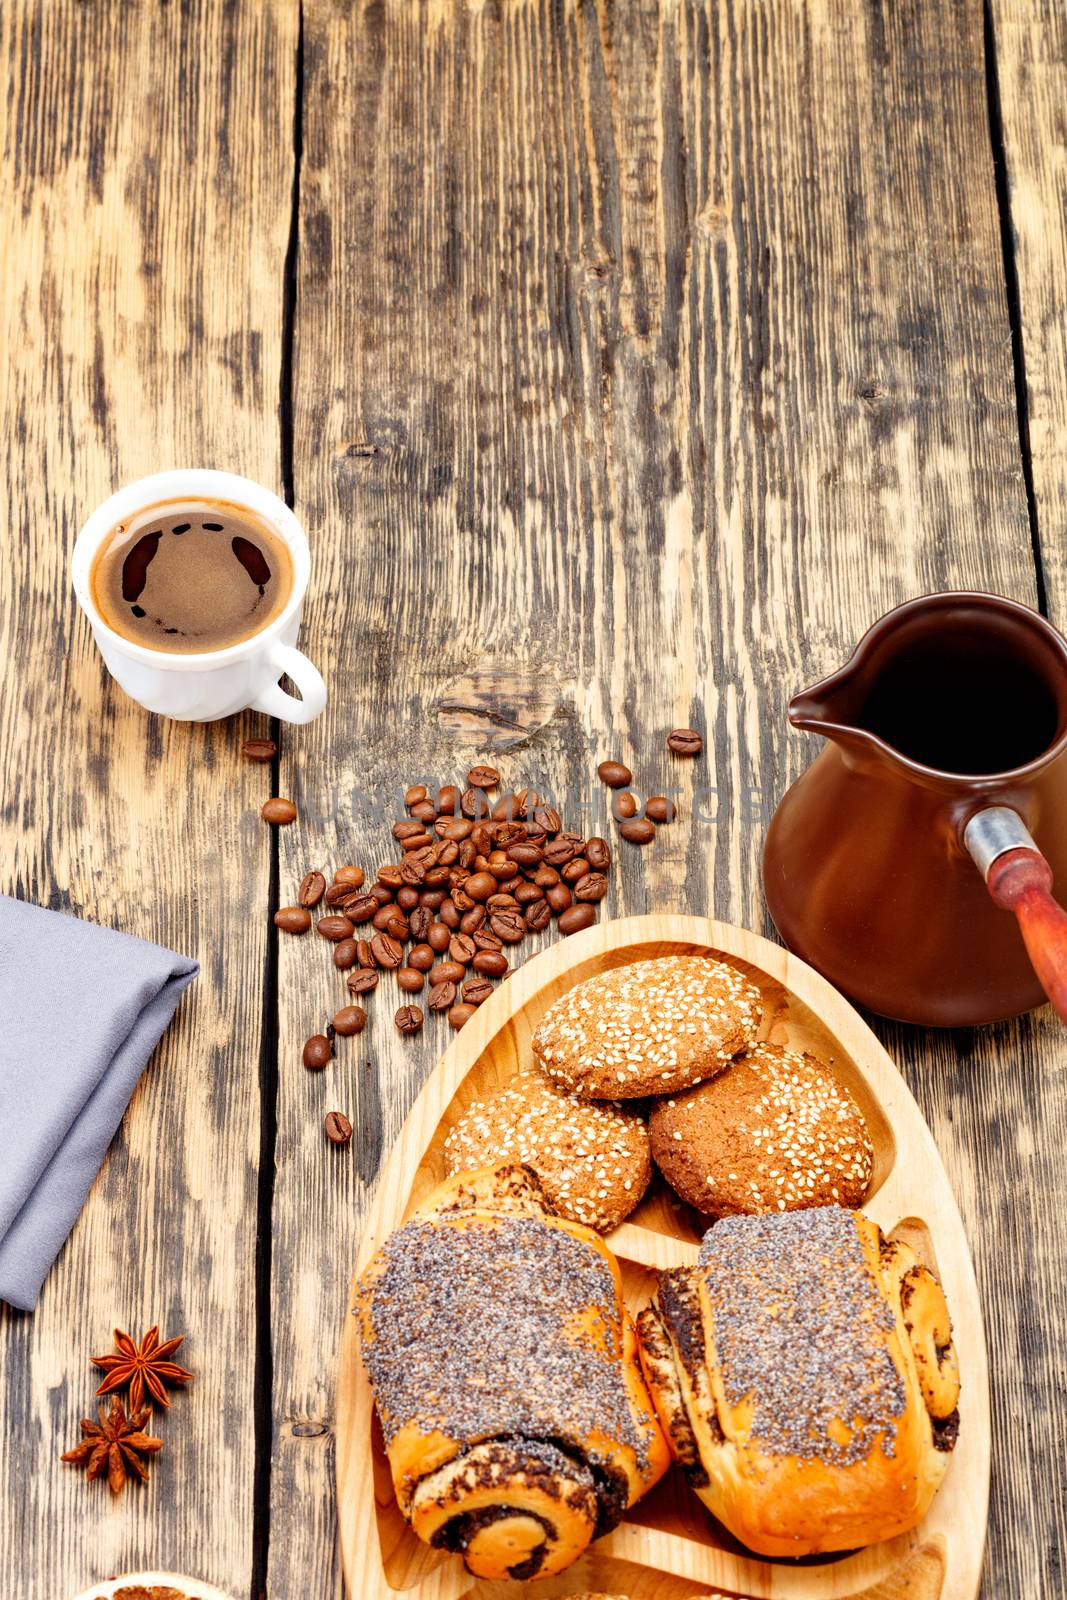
<point x="476" y="876"/>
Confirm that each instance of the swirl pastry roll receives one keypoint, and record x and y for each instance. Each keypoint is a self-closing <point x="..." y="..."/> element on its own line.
<point x="506" y="1377"/>
<point x="805" y="1375"/>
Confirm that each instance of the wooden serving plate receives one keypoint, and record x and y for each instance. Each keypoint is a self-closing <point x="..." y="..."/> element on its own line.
<point x="669" y="1547"/>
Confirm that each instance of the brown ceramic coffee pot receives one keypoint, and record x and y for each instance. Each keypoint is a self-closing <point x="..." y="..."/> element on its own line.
<point x="937" y="808"/>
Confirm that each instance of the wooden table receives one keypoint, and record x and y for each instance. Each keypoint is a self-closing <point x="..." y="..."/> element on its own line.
<point x="623" y="362"/>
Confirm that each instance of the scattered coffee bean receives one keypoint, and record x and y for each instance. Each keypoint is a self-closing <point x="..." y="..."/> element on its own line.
<point x="364" y="953"/>
<point x="526" y="893"/>
<point x="660" y="809"/>
<point x="388" y="952"/>
<point x="278" y="812"/>
<point x="421" y="957"/>
<point x="409" y="979"/>
<point x="473" y="919"/>
<point x="409" y="1019"/>
<point x="639" y="831"/>
<point x="349" y="1020"/>
<point x="432" y="899"/>
<point x="685" y="742"/>
<point x="598" y="854"/>
<point x="382" y="893"/>
<point x="460" y="1014"/>
<point x="508" y="925"/>
<point x="407" y="898"/>
<point x="483" y="777"/>
<point x="624" y="805"/>
<point x="335" y="928"/>
<point x="525" y="854"/>
<point x="396" y="925"/>
<point x="441" y="996"/>
<point x="545" y="877"/>
<point x="461" y="948"/>
<point x="407" y="830"/>
<point x="312" y="888"/>
<point x="450" y="915"/>
<point x="317" y="1052"/>
<point x="419" y="922"/>
<point x="353" y="876"/>
<point x="362" y="981"/>
<point x="293" y="919"/>
<point x="416" y="841"/>
<point x="474" y="803"/>
<point x="476" y="990"/>
<point x="614" y="774"/>
<point x="491" y="963"/>
<point x="415" y="795"/>
<point x="439" y="936"/>
<point x="425" y="813"/>
<point x="593" y="887"/>
<point x="578" y="917"/>
<point x="362" y="909"/>
<point x="447" y="972"/>
<point x="548" y="819"/>
<point x="538" y="915"/>
<point x="344" y="954"/>
<point x="382" y="918"/>
<point x="480" y="885"/>
<point x="558" y="898"/>
<point x="575" y="869"/>
<point x="338" y="1128"/>
<point x="259" y="749"/>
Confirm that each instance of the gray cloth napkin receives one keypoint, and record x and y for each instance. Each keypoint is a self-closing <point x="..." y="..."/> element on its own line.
<point x="81" y="1010"/>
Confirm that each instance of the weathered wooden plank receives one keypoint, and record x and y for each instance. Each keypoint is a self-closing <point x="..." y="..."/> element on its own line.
<point x="645" y="353"/>
<point x="144" y="201"/>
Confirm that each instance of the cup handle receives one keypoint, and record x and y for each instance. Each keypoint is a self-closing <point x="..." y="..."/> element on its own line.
<point x="275" y="702"/>
<point x="1019" y="879"/>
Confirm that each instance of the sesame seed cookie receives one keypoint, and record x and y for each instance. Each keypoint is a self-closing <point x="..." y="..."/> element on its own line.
<point x="593" y="1160"/>
<point x="650" y="1028"/>
<point x="776" y="1132"/>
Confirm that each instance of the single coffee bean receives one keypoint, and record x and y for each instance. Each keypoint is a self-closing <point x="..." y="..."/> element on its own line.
<point x="545" y="877"/>
<point x="461" y="900"/>
<point x="361" y="909"/>
<point x="432" y="899"/>
<point x="335" y="928"/>
<point x="349" y="1020"/>
<point x="460" y="1014"/>
<point x="412" y="871"/>
<point x="486" y="939"/>
<point x="575" y="869"/>
<point x="382" y="893"/>
<point x="389" y="877"/>
<point x="447" y="799"/>
<point x="475" y="990"/>
<point x="624" y="806"/>
<point x="614" y="774"/>
<point x="441" y="996"/>
<point x="278" y="812"/>
<point x="561" y="850"/>
<point x="593" y="887"/>
<point x="409" y="979"/>
<point x="344" y="954"/>
<point x="466" y="854"/>
<point x="526" y="855"/>
<point x="474" y="803"/>
<point x="419" y="921"/>
<point x="388" y="952"/>
<point x="338" y="1128"/>
<point x="508" y="925"/>
<point x="447" y="972"/>
<point x="362" y="980"/>
<point x="525" y="894"/>
<point x="598" y="854"/>
<point x="382" y="917"/>
<point x="397" y="926"/>
<point x="449" y="916"/>
<point x="493" y="963"/>
<point x="483" y="777"/>
<point x="660" y="809"/>
<point x="456" y="828"/>
<point x="448" y="852"/>
<point x="482" y="838"/>
<point x="353" y="876"/>
<point x="407" y="898"/>
<point x="506" y="834"/>
<point x="409" y="1019"/>
<point x="407" y="830"/>
<point x="421" y="957"/>
<point x="461" y="948"/>
<point x="538" y="915"/>
<point x="505" y="809"/>
<point x="501" y="902"/>
<point x="577" y="918"/>
<point x="558" y="897"/>
<point x="415" y="794"/>
<point x="480" y="885"/>
<point x="436" y="877"/>
<point x="317" y="1051"/>
<point x="339" y="894"/>
<point x="639" y="831"/>
<point x="293" y="919"/>
<point x="312" y="888"/>
<point x="509" y="885"/>
<point x="548" y="818"/>
<point x="472" y="920"/>
<point x="536" y="835"/>
<point x="424" y="813"/>
<point x="439" y="934"/>
<point x="259" y="749"/>
<point x="417" y="841"/>
<point x="685" y="742"/>
<point x="364" y="953"/>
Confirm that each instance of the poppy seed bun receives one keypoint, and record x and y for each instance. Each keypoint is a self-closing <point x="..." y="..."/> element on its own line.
<point x="775" y="1132"/>
<point x="593" y="1159"/>
<point x="649" y="1028"/>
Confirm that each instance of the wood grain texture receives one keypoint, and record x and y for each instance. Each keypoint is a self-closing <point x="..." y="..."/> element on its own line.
<point x="666" y="1534"/>
<point x="645" y="353"/>
<point x="144" y="200"/>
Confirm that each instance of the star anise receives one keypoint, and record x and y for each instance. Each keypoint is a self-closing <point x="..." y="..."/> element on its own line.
<point x="116" y="1443"/>
<point x="143" y="1366"/>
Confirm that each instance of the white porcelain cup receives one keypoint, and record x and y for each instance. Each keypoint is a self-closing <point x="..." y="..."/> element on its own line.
<point x="213" y="683"/>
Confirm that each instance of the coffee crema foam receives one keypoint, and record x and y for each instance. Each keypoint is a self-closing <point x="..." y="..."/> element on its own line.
<point x="188" y="576"/>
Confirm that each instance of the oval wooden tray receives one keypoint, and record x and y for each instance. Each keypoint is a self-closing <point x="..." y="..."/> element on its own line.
<point x="669" y="1548"/>
<point x="192" y="1587"/>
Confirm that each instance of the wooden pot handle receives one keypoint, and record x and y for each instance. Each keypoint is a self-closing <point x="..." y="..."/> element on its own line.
<point x="1021" y="881"/>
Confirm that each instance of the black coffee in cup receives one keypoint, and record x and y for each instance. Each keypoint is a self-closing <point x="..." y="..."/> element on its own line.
<point x="191" y="575"/>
